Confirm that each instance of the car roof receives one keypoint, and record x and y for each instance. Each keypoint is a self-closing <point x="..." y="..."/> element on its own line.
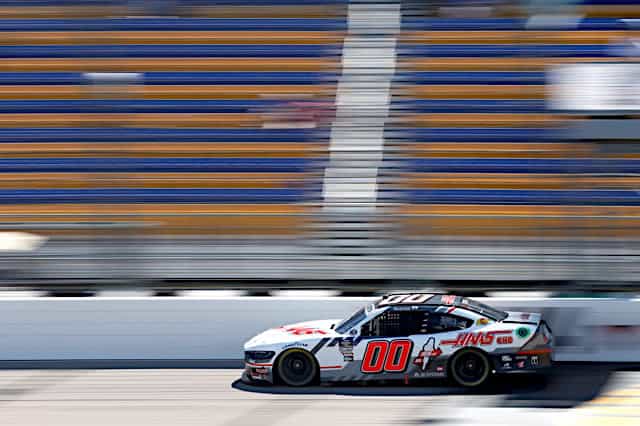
<point x="430" y="299"/>
<point x="419" y="299"/>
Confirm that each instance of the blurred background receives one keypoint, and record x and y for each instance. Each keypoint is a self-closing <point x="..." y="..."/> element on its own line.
<point x="356" y="145"/>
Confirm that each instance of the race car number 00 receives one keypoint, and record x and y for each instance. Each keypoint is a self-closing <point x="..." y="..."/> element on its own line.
<point x="382" y="355"/>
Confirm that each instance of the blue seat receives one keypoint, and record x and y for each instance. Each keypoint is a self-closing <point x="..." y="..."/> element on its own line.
<point x="498" y="24"/>
<point x="169" y="195"/>
<point x="154" y="135"/>
<point x="132" y="106"/>
<point x="63" y="78"/>
<point x="175" y="24"/>
<point x="501" y="50"/>
<point x="527" y="197"/>
<point x="28" y="3"/>
<point x="479" y="134"/>
<point x="522" y="165"/>
<point x="465" y="77"/>
<point x="175" y="51"/>
<point x="468" y="105"/>
<point x="260" y="2"/>
<point x="141" y="165"/>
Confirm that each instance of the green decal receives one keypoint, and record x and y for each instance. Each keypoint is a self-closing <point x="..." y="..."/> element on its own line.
<point x="522" y="332"/>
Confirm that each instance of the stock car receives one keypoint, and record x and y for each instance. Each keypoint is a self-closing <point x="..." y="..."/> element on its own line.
<point x="403" y="337"/>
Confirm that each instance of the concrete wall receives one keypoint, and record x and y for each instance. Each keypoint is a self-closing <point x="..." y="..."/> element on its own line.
<point x="180" y="329"/>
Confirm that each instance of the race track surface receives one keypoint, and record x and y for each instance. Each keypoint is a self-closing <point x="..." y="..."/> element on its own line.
<point x="214" y="397"/>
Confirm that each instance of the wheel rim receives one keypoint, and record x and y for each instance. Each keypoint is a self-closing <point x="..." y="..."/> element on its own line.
<point x="296" y="369"/>
<point x="470" y="368"/>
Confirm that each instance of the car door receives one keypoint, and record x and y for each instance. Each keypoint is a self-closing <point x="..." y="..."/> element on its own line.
<point x="433" y="333"/>
<point x="384" y="346"/>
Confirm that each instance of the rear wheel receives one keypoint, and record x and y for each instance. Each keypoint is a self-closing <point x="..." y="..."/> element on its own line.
<point x="297" y="367"/>
<point x="470" y="368"/>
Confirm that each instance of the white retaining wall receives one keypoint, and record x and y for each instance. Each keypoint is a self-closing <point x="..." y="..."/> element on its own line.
<point x="41" y="329"/>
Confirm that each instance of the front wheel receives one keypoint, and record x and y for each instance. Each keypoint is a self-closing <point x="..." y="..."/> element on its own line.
<point x="470" y="368"/>
<point x="297" y="367"/>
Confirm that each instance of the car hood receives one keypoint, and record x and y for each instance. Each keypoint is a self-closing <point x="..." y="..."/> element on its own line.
<point x="299" y="332"/>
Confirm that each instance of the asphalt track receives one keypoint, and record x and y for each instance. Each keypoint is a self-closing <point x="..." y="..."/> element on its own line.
<point x="574" y="395"/>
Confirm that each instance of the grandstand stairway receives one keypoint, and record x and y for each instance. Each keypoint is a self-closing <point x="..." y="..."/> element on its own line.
<point x="353" y="222"/>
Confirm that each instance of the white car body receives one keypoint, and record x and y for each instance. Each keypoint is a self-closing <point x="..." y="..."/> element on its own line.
<point x="352" y="351"/>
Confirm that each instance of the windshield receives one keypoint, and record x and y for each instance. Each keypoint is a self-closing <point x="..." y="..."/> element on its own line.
<point x="483" y="309"/>
<point x="354" y="319"/>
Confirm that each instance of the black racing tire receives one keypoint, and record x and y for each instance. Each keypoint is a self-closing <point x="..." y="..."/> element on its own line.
<point x="470" y="368"/>
<point x="297" y="368"/>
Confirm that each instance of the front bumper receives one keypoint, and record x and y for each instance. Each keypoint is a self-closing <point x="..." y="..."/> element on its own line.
<point x="257" y="373"/>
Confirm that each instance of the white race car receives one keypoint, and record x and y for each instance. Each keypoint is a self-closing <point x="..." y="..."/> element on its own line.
<point x="403" y="336"/>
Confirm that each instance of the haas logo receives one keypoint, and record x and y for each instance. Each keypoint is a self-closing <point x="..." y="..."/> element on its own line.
<point x="428" y="353"/>
<point x="300" y="331"/>
<point x="479" y="338"/>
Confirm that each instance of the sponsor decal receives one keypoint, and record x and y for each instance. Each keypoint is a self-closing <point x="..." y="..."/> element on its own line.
<point x="345" y="347"/>
<point x="428" y="353"/>
<point x="353" y="339"/>
<point x="448" y="300"/>
<point x="482" y="321"/>
<point x="301" y="331"/>
<point x="405" y="298"/>
<point x="535" y="361"/>
<point x="525" y="316"/>
<point x="523" y="332"/>
<point x="439" y="372"/>
<point x="475" y="339"/>
<point x="429" y="374"/>
<point x="504" y="340"/>
<point x="506" y="358"/>
<point x="390" y="357"/>
<point x="520" y="364"/>
<point x="259" y="376"/>
<point x="506" y="366"/>
<point x="294" y="345"/>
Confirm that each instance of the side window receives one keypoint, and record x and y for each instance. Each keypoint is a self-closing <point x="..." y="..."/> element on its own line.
<point x="389" y="324"/>
<point x="442" y="323"/>
<point x="394" y="323"/>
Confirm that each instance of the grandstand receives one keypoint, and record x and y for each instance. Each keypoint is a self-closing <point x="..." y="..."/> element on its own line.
<point x="160" y="119"/>
<point x="487" y="156"/>
<point x="194" y="139"/>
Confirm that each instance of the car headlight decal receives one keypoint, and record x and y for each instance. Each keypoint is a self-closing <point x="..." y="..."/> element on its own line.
<point x="258" y="355"/>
